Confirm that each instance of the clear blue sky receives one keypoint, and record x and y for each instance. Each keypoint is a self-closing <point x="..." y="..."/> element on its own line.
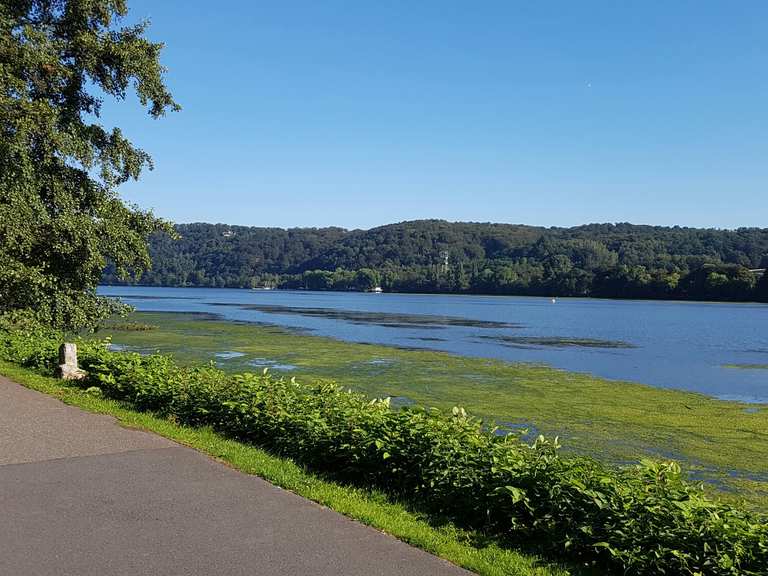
<point x="315" y="113"/>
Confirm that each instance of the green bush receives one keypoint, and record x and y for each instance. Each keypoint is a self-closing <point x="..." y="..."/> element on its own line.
<point x="26" y="342"/>
<point x="640" y="520"/>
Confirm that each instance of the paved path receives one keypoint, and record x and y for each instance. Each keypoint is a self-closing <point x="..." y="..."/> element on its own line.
<point x="81" y="496"/>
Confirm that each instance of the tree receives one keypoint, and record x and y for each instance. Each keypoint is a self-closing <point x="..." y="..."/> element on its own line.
<point x="604" y="260"/>
<point x="761" y="290"/>
<point x="367" y="279"/>
<point x="61" y="219"/>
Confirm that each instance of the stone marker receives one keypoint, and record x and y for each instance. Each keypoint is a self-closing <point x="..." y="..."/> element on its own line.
<point x="67" y="368"/>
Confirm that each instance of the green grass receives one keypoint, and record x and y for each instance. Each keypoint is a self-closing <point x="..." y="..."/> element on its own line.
<point x="722" y="443"/>
<point x="470" y="550"/>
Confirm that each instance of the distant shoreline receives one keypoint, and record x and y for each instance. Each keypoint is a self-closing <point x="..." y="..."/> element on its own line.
<point x="493" y="295"/>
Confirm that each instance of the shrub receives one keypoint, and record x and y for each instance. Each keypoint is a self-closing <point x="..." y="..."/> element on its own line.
<point x="26" y="342"/>
<point x="641" y="520"/>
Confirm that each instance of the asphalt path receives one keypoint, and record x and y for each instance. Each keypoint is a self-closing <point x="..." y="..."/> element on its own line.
<point x="82" y="496"/>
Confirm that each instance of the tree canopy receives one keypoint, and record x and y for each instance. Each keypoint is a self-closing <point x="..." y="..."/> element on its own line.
<point x="608" y="260"/>
<point x="61" y="219"/>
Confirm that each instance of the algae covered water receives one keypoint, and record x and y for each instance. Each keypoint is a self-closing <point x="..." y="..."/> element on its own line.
<point x="718" y="349"/>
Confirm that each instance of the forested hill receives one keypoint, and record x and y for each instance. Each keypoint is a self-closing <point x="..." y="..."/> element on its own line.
<point x="608" y="260"/>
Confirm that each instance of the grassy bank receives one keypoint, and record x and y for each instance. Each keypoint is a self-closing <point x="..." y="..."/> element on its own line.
<point x="723" y="443"/>
<point x="641" y="519"/>
<point x="472" y="550"/>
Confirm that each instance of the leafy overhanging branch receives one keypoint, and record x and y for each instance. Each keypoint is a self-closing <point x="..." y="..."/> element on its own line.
<point x="61" y="219"/>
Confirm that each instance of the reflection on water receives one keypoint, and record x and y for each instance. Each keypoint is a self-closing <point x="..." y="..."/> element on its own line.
<point x="666" y="344"/>
<point x="525" y="430"/>
<point x="228" y="355"/>
<point x="266" y="363"/>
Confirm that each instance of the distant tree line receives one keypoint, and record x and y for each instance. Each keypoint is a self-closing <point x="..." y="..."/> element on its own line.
<point x="600" y="260"/>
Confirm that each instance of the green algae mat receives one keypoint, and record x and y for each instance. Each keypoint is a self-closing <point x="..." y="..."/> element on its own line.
<point x="724" y="444"/>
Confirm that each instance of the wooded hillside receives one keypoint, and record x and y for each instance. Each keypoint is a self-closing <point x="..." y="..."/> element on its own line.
<point x="607" y="260"/>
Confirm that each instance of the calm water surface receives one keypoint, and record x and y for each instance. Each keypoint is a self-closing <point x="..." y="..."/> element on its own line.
<point x="714" y="348"/>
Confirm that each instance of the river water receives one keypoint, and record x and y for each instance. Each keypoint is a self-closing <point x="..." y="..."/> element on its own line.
<point x="719" y="349"/>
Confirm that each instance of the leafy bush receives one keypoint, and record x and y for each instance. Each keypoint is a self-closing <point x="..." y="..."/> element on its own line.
<point x="25" y="341"/>
<point x="643" y="520"/>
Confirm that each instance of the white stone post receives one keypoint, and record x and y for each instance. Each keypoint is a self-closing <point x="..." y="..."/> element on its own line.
<point x="68" y="369"/>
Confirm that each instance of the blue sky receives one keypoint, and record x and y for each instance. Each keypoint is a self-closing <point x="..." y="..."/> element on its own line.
<point x="315" y="113"/>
